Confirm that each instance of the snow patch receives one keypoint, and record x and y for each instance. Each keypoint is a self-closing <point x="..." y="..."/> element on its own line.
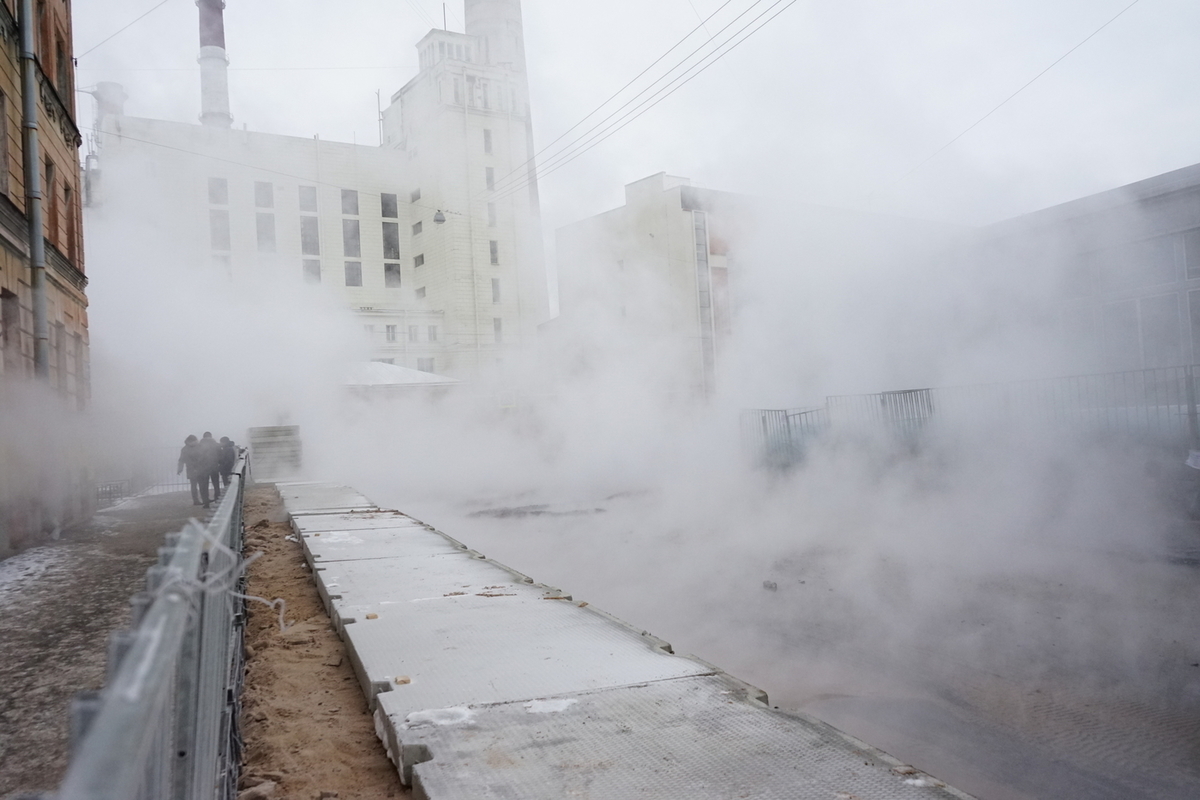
<point x="341" y="537"/>
<point x="550" y="706"/>
<point x="455" y="715"/>
<point x="17" y="572"/>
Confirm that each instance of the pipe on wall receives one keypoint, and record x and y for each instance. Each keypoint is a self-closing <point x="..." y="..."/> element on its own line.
<point x="33" y="192"/>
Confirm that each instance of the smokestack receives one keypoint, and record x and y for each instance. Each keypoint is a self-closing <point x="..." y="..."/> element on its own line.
<point x="214" y="80"/>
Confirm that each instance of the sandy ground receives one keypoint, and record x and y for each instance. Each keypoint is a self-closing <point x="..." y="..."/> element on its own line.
<point x="305" y="722"/>
<point x="58" y="603"/>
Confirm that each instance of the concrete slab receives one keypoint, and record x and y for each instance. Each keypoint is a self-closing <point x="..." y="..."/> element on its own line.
<point x="365" y="544"/>
<point x="354" y="521"/>
<point x="328" y="498"/>
<point x="701" y="737"/>
<point x="509" y="646"/>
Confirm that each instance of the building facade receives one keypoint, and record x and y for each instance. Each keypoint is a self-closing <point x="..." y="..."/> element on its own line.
<point x="418" y="237"/>
<point x="650" y="280"/>
<point x="43" y="475"/>
<point x="1122" y="267"/>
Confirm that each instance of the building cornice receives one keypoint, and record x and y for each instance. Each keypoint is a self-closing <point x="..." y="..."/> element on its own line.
<point x="14" y="234"/>
<point x="57" y="110"/>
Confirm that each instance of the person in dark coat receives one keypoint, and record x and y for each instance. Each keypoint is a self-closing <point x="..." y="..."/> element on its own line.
<point x="189" y="457"/>
<point x="209" y="454"/>
<point x="228" y="456"/>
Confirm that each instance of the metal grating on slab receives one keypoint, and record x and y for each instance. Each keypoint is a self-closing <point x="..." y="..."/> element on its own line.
<point x="684" y="739"/>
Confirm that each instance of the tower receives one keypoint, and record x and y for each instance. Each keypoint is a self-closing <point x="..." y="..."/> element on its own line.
<point x="464" y="123"/>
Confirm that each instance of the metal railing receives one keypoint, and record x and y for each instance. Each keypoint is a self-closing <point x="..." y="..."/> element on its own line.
<point x="165" y="724"/>
<point x="1157" y="405"/>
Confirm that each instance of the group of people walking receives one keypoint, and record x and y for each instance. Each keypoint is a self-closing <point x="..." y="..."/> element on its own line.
<point x="207" y="461"/>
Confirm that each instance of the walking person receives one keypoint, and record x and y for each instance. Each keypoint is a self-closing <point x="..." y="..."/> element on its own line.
<point x="209" y="455"/>
<point x="189" y="457"/>
<point x="228" y="456"/>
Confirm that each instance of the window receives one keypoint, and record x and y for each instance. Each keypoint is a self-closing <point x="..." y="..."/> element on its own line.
<point x="350" y="202"/>
<point x="457" y="91"/>
<point x="416" y="195"/>
<point x="354" y="273"/>
<point x="491" y="215"/>
<point x="218" y="229"/>
<point x="491" y="177"/>
<point x="387" y="206"/>
<point x="425" y="364"/>
<point x="52" y="211"/>
<point x="417" y="228"/>
<point x="391" y="276"/>
<point x="265" y="224"/>
<point x="10" y="331"/>
<point x="3" y="144"/>
<point x="312" y="270"/>
<point x="264" y="194"/>
<point x="308" y="198"/>
<point x="494" y="249"/>
<point x="433" y="333"/>
<point x="389" y="333"/>
<point x="69" y="209"/>
<point x="412" y="333"/>
<point x="351" y="242"/>
<point x="1191" y="250"/>
<point x="385" y="360"/>
<point x="310" y="237"/>
<point x="81" y="379"/>
<point x="487" y="140"/>
<point x="63" y="82"/>
<point x="218" y="191"/>
<point x="418" y="259"/>
<point x="421" y="293"/>
<point x="369" y="330"/>
<point x="498" y="329"/>
<point x="391" y="240"/>
<point x="495" y="290"/>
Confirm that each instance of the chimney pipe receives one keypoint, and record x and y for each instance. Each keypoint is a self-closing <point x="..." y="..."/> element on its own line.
<point x="214" y="79"/>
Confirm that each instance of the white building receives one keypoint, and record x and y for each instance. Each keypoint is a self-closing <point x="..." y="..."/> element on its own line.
<point x="420" y="236"/>
<point x="649" y="282"/>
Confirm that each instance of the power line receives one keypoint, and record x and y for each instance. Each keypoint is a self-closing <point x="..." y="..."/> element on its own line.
<point x="122" y="30"/>
<point x="1005" y="101"/>
<point x="572" y="152"/>
<point x="617" y="93"/>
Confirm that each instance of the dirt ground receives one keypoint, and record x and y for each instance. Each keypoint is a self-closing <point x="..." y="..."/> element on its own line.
<point x="305" y="721"/>
<point x="58" y="603"/>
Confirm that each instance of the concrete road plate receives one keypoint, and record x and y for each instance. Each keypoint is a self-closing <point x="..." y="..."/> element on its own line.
<point x="680" y="739"/>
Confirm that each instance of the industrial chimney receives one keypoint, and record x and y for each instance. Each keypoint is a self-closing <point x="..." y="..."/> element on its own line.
<point x="214" y="80"/>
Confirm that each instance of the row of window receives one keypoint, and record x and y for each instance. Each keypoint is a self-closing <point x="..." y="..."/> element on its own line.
<point x="390" y="332"/>
<point x="391" y="276"/>
<point x="264" y="197"/>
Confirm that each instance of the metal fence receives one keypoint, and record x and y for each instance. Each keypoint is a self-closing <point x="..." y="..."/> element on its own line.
<point x="1156" y="405"/>
<point x="165" y="724"/>
<point x="144" y="471"/>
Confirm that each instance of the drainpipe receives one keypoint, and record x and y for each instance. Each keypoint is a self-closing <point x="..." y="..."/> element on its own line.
<point x="33" y="193"/>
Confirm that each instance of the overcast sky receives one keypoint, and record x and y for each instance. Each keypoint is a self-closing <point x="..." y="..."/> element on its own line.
<point x="833" y="102"/>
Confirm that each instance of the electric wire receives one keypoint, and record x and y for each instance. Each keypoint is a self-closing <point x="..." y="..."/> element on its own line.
<point x="1005" y="101"/>
<point x="122" y="30"/>
<point x="583" y="145"/>
<point x="615" y="94"/>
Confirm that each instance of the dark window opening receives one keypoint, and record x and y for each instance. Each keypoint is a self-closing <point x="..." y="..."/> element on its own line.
<point x="310" y="236"/>
<point x="308" y="198"/>
<point x="265" y="224"/>
<point x="351" y="241"/>
<point x="391" y="240"/>
<point x="416" y="195"/>
<point x="264" y="194"/>
<point x="417" y="228"/>
<point x="498" y="329"/>
<point x="425" y="364"/>
<point x="1191" y="253"/>
<point x="494" y="248"/>
<point x="413" y="333"/>
<point x="350" y="202"/>
<point x="491" y="177"/>
<point x="433" y="333"/>
<point x="421" y="293"/>
<point x="10" y="331"/>
<point x="354" y="273"/>
<point x="389" y="333"/>
<point x="491" y="215"/>
<point x="312" y="270"/>
<point x="418" y="259"/>
<point x="495" y="290"/>
<point x="391" y="276"/>
<point x="487" y="140"/>
<point x="218" y="191"/>
<point x="387" y="206"/>
<point x="218" y="229"/>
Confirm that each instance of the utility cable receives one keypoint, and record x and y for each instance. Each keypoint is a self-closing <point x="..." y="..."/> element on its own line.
<point x="583" y="145"/>
<point x="1004" y="102"/>
<point x="615" y="94"/>
<point x="122" y="30"/>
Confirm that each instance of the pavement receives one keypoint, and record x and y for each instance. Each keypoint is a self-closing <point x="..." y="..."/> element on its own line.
<point x="59" y="601"/>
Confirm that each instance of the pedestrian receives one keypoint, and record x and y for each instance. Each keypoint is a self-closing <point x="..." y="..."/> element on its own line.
<point x="189" y="457"/>
<point x="228" y="456"/>
<point x="209" y="453"/>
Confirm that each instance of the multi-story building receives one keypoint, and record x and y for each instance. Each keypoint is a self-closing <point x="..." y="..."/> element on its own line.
<point x="419" y="236"/>
<point x="43" y="307"/>
<point x="649" y="282"/>
<point x="1121" y="268"/>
